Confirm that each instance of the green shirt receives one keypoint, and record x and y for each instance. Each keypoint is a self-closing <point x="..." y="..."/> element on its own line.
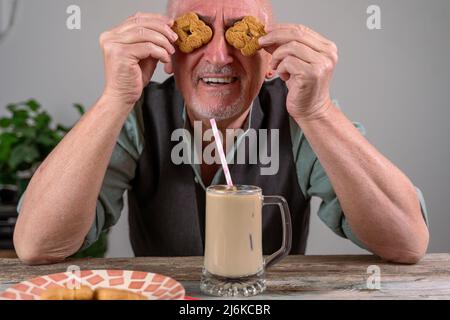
<point x="312" y="179"/>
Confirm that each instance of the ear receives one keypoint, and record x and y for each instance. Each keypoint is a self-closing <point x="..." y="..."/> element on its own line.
<point x="270" y="72"/>
<point x="168" y="68"/>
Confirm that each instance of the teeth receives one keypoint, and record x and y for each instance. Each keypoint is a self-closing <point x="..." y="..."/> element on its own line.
<point x="218" y="80"/>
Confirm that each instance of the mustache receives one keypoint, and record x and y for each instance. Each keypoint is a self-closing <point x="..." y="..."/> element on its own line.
<point x="206" y="69"/>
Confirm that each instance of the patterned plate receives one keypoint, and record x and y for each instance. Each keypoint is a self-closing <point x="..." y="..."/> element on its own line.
<point x="153" y="286"/>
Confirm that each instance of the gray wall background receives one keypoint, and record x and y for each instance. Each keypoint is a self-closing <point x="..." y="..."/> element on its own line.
<point x="396" y="81"/>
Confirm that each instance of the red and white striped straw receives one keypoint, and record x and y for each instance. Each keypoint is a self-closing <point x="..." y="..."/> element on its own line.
<point x="223" y="159"/>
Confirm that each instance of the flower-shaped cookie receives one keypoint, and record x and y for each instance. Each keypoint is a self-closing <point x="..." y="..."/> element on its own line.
<point x="192" y="32"/>
<point x="244" y="35"/>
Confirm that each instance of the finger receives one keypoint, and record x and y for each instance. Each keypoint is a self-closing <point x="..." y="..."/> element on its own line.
<point x="303" y="28"/>
<point x="159" y="26"/>
<point x="292" y="66"/>
<point x="151" y="16"/>
<point x="140" y="34"/>
<point x="139" y="18"/>
<point x="295" y="49"/>
<point x="146" y="50"/>
<point x="148" y="66"/>
<point x="279" y="37"/>
<point x="168" y="68"/>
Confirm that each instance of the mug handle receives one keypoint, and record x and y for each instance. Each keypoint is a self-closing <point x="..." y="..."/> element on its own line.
<point x="287" y="229"/>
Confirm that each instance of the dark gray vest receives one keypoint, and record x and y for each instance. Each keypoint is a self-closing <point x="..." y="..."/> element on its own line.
<point x="167" y="207"/>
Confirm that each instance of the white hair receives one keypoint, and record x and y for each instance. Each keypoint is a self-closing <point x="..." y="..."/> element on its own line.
<point x="173" y="6"/>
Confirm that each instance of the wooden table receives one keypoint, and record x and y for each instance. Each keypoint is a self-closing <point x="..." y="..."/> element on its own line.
<point x="7" y="254"/>
<point x="296" y="277"/>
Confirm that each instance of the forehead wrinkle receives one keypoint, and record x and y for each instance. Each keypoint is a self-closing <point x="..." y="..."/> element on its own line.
<point x="228" y="21"/>
<point x="179" y="7"/>
<point x="263" y="12"/>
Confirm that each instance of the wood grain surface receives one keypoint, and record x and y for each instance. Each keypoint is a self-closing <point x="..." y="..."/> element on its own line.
<point x="296" y="277"/>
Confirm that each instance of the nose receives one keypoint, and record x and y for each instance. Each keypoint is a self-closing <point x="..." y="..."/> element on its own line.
<point x="218" y="52"/>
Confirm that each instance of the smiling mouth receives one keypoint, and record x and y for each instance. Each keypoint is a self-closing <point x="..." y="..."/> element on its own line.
<point x="216" y="82"/>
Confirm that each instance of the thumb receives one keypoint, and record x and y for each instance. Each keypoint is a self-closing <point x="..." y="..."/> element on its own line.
<point x="148" y="67"/>
<point x="168" y="68"/>
<point x="285" y="76"/>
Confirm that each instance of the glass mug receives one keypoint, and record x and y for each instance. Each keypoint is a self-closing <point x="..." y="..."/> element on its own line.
<point x="234" y="264"/>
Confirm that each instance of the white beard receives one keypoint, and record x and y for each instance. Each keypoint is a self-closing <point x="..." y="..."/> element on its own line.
<point x="217" y="111"/>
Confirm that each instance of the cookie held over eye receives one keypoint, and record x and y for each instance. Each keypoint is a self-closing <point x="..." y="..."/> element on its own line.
<point x="192" y="32"/>
<point x="244" y="35"/>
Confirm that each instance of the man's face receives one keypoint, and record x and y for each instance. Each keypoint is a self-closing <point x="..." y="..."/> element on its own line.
<point x="217" y="81"/>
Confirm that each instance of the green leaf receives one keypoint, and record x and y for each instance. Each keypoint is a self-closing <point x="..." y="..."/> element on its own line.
<point x="20" y="118"/>
<point x="80" y="108"/>
<point x="8" y="138"/>
<point x="62" y="128"/>
<point x="96" y="250"/>
<point x="26" y="132"/>
<point x="33" y="104"/>
<point x="7" y="141"/>
<point x="4" y="154"/>
<point x="42" y="120"/>
<point x="19" y="122"/>
<point x="5" y="122"/>
<point x="11" y="107"/>
<point x="23" y="154"/>
<point x="20" y="114"/>
<point x="58" y="137"/>
<point x="46" y="140"/>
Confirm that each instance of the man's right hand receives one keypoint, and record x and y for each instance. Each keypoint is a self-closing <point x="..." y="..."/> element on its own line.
<point x="131" y="52"/>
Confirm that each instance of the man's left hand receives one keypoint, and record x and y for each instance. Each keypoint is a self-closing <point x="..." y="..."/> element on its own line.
<point x="306" y="61"/>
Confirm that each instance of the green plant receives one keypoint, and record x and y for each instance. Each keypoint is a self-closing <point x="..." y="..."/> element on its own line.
<point x="96" y="250"/>
<point x="27" y="136"/>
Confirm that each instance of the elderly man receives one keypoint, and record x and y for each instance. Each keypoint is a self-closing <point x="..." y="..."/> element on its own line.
<point x="124" y="143"/>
